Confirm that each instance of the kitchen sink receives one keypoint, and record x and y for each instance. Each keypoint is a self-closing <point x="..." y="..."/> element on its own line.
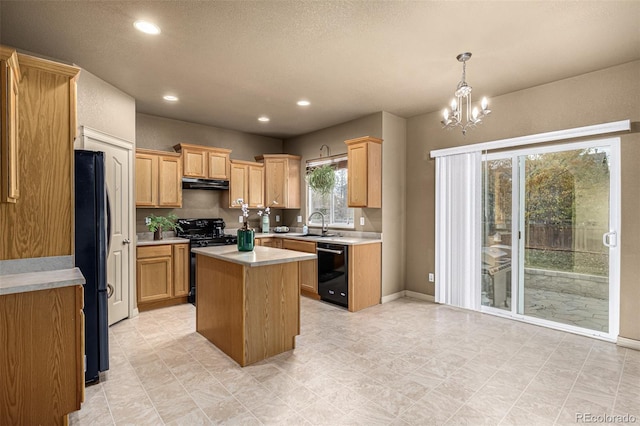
<point x="319" y="235"/>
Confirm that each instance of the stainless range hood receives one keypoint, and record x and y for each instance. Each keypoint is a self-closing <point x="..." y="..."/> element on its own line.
<point x="192" y="183"/>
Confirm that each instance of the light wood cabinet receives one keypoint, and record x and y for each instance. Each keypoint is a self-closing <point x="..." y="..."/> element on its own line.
<point x="42" y="356"/>
<point x="162" y="275"/>
<point x="181" y="264"/>
<point x="269" y="242"/>
<point x="204" y="162"/>
<point x="308" y="268"/>
<point x="40" y="223"/>
<point x="281" y="179"/>
<point x="246" y="182"/>
<point x="158" y="179"/>
<point x="9" y="78"/>
<point x="365" y="275"/>
<point x="364" y="186"/>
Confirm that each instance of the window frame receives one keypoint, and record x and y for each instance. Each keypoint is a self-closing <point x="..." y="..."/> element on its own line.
<point x="340" y="162"/>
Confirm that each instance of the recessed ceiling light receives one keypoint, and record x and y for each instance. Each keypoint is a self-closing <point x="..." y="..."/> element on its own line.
<point x="304" y="103"/>
<point x="263" y="119"/>
<point x="170" y="98"/>
<point x="147" y="27"/>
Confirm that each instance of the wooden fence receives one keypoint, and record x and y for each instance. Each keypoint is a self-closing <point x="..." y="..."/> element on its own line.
<point x="565" y="237"/>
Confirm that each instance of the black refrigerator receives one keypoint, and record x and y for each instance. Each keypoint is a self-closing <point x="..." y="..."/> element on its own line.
<point x="91" y="250"/>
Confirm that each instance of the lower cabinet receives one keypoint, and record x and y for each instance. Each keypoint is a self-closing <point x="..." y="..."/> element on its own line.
<point x="308" y="268"/>
<point x="269" y="242"/>
<point x="162" y="275"/>
<point x="42" y="356"/>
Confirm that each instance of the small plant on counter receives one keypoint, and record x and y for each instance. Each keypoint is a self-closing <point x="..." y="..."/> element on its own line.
<point x="157" y="224"/>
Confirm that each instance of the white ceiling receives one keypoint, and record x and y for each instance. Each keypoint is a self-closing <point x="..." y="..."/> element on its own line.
<point x="230" y="62"/>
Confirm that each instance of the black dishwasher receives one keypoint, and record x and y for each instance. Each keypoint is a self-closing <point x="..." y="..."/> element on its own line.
<point x="333" y="273"/>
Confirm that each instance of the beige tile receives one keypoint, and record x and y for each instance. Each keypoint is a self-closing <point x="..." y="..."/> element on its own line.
<point x="193" y="418"/>
<point x="172" y="401"/>
<point x="519" y="417"/>
<point x="224" y="409"/>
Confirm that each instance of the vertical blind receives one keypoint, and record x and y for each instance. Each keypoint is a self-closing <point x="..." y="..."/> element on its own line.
<point x="458" y="229"/>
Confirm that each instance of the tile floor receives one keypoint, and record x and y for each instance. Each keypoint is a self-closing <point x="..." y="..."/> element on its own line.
<point x="406" y="362"/>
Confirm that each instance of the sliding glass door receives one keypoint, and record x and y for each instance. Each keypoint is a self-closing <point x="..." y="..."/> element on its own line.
<point x="550" y="255"/>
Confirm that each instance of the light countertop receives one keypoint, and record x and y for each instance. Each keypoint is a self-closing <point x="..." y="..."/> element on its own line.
<point x="43" y="280"/>
<point x="167" y="240"/>
<point x="346" y="240"/>
<point x="260" y="256"/>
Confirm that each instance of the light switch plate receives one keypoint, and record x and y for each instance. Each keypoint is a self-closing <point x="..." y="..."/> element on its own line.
<point x="362" y="221"/>
<point x="432" y="277"/>
<point x="277" y="218"/>
<point x="299" y="219"/>
<point x="240" y="219"/>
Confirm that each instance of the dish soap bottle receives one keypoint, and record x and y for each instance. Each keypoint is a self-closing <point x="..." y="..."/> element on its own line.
<point x="305" y="229"/>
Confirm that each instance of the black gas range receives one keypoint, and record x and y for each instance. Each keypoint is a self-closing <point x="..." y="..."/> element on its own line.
<point x="202" y="233"/>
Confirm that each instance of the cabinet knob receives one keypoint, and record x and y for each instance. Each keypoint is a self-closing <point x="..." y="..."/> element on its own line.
<point x="126" y="241"/>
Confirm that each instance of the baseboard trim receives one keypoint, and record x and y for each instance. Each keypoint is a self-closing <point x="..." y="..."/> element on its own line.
<point x="421" y="296"/>
<point x="392" y="297"/>
<point x="628" y="343"/>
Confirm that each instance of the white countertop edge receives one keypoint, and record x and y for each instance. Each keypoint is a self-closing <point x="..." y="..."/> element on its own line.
<point x="346" y="240"/>
<point x="170" y="240"/>
<point x="260" y="256"/>
<point x="35" y="281"/>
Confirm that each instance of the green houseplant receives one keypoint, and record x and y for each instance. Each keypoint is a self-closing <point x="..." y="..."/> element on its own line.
<point x="322" y="179"/>
<point x="157" y="223"/>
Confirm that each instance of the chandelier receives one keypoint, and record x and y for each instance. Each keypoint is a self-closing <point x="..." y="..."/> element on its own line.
<point x="453" y="117"/>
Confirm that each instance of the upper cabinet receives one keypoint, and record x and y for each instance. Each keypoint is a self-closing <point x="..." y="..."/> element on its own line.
<point x="40" y="223"/>
<point x="158" y="179"/>
<point x="247" y="182"/>
<point x="364" y="185"/>
<point x="204" y="162"/>
<point x="9" y="78"/>
<point x="282" y="180"/>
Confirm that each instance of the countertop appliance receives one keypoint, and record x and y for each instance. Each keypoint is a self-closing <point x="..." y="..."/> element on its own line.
<point x="92" y="232"/>
<point x="333" y="273"/>
<point x="202" y="233"/>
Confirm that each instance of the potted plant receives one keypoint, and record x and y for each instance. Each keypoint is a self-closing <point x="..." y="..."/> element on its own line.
<point x="157" y="223"/>
<point x="322" y="179"/>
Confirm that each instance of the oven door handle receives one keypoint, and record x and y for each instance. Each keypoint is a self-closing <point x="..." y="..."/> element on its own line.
<point x="329" y="250"/>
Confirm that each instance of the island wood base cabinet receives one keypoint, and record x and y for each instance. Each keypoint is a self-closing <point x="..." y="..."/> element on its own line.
<point x="41" y="356"/>
<point x="250" y="313"/>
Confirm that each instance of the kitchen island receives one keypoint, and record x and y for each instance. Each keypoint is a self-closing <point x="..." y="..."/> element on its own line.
<point x="248" y="303"/>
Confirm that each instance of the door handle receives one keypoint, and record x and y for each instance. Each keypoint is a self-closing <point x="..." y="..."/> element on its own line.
<point x="610" y="239"/>
<point x="109" y="291"/>
<point x="126" y="241"/>
<point x="329" y="250"/>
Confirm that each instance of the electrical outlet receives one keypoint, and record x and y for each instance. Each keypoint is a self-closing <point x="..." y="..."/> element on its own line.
<point x="432" y="277"/>
<point x="362" y="221"/>
<point x="240" y="219"/>
<point x="277" y="218"/>
<point x="299" y="219"/>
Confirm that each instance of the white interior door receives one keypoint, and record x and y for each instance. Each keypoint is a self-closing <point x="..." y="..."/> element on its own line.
<point x="118" y="170"/>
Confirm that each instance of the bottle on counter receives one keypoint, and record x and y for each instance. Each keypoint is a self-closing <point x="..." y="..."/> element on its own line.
<point x="305" y="229"/>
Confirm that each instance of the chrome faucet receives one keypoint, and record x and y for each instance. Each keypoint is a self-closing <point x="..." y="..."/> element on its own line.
<point x="324" y="230"/>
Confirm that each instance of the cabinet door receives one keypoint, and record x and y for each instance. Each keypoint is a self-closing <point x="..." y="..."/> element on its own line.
<point x="357" y="185"/>
<point x="9" y="133"/>
<point x="218" y="165"/>
<point x="194" y="162"/>
<point x="181" y="264"/>
<point x="275" y="176"/>
<point x="256" y="186"/>
<point x="146" y="180"/>
<point x="154" y="278"/>
<point x="169" y="182"/>
<point x="238" y="184"/>
<point x="309" y="275"/>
